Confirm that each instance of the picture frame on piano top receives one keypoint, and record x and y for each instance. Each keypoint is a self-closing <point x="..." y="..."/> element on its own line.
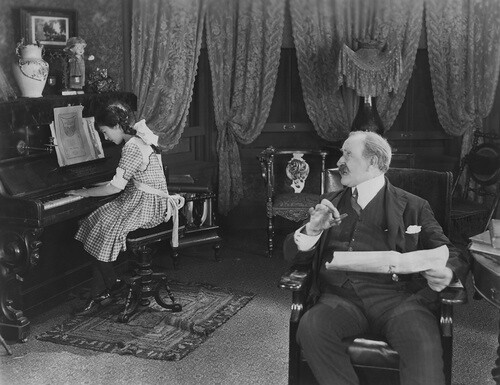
<point x="49" y="26"/>
<point x="52" y="28"/>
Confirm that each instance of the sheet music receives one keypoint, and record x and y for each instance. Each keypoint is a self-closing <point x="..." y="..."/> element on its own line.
<point x="75" y="138"/>
<point x="389" y="261"/>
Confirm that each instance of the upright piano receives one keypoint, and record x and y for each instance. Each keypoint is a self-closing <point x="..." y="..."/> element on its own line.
<point x="40" y="262"/>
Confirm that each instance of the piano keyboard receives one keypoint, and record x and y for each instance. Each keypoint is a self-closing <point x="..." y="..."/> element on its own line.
<point x="64" y="200"/>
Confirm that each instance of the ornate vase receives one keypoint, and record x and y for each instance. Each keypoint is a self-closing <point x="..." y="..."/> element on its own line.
<point x="31" y="70"/>
<point x="297" y="170"/>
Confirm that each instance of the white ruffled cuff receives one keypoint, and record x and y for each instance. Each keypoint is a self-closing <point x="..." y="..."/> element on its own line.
<point x="118" y="180"/>
<point x="303" y="241"/>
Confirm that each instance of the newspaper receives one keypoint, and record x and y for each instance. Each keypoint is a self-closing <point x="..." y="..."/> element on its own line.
<point x="389" y="261"/>
<point x="75" y="137"/>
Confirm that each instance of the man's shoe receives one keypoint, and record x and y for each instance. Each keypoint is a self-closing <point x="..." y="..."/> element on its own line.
<point x="90" y="307"/>
<point x="104" y="298"/>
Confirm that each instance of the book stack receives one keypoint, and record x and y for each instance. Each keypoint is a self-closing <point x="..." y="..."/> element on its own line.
<point x="482" y="243"/>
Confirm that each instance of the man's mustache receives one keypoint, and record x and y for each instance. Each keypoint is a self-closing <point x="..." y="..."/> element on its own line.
<point x="343" y="168"/>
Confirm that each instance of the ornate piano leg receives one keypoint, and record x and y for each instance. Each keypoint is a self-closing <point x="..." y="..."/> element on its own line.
<point x="19" y="252"/>
<point x="14" y="325"/>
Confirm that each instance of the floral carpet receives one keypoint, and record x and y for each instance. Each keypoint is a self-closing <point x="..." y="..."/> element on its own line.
<point x="154" y="332"/>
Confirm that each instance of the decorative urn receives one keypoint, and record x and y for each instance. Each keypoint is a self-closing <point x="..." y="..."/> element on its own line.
<point x="297" y="170"/>
<point x="30" y="70"/>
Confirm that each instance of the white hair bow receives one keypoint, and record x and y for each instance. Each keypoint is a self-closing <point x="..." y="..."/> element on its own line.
<point x="145" y="133"/>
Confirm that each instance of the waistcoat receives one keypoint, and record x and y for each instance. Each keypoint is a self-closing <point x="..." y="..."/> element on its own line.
<point x="366" y="232"/>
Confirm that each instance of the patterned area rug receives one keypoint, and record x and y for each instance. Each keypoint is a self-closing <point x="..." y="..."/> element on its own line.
<point x="154" y="332"/>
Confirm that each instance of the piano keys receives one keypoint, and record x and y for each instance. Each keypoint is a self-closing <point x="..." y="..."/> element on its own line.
<point x="59" y="200"/>
<point x="35" y="188"/>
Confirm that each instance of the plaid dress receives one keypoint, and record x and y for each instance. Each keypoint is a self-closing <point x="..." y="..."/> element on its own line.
<point x="103" y="233"/>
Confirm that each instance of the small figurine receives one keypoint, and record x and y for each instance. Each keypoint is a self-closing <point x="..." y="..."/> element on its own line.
<point x="98" y="81"/>
<point x="75" y="48"/>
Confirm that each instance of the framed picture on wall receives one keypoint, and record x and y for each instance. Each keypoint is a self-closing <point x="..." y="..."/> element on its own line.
<point x="50" y="27"/>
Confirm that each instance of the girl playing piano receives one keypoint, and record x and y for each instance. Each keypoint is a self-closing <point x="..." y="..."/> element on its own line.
<point x="142" y="200"/>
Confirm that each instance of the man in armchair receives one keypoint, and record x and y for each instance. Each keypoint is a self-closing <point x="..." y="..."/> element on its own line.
<point x="400" y="307"/>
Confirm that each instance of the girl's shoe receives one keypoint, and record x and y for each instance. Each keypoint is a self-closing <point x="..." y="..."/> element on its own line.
<point x="93" y="304"/>
<point x="117" y="287"/>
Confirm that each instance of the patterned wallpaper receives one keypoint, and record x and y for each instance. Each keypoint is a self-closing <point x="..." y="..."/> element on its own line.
<point x="99" y="23"/>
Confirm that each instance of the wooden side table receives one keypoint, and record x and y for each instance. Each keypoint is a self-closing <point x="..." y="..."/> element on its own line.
<point x="486" y="279"/>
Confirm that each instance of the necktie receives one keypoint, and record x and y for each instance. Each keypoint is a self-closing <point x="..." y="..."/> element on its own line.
<point x="354" y="202"/>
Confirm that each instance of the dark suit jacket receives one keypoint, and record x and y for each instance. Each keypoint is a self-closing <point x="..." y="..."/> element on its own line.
<point x="403" y="209"/>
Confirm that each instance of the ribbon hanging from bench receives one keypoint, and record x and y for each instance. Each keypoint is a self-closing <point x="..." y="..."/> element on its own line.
<point x="174" y="204"/>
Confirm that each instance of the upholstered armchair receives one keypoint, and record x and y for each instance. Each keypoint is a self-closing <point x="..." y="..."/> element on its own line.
<point x="294" y="180"/>
<point x="373" y="358"/>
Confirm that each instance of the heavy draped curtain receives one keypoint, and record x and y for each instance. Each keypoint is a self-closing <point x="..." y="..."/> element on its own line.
<point x="464" y="57"/>
<point x="321" y="27"/>
<point x="244" y="45"/>
<point x="165" y="46"/>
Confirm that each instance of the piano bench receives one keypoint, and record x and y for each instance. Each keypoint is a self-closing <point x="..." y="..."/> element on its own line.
<point x="145" y="283"/>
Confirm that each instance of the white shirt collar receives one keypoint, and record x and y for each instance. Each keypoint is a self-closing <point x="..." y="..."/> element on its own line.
<point x="368" y="189"/>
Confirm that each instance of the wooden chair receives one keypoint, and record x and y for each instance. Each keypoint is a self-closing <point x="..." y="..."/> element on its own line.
<point x="374" y="360"/>
<point x="294" y="181"/>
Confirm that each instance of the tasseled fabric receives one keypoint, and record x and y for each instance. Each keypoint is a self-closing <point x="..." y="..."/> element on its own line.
<point x="370" y="71"/>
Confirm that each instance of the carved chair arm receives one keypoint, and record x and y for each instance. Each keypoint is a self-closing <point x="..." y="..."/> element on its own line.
<point x="449" y="297"/>
<point x="297" y="279"/>
<point x="453" y="296"/>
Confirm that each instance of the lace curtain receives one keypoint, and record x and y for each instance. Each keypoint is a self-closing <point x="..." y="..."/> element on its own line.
<point x="244" y="45"/>
<point x="166" y="42"/>
<point x="321" y="27"/>
<point x="464" y="56"/>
